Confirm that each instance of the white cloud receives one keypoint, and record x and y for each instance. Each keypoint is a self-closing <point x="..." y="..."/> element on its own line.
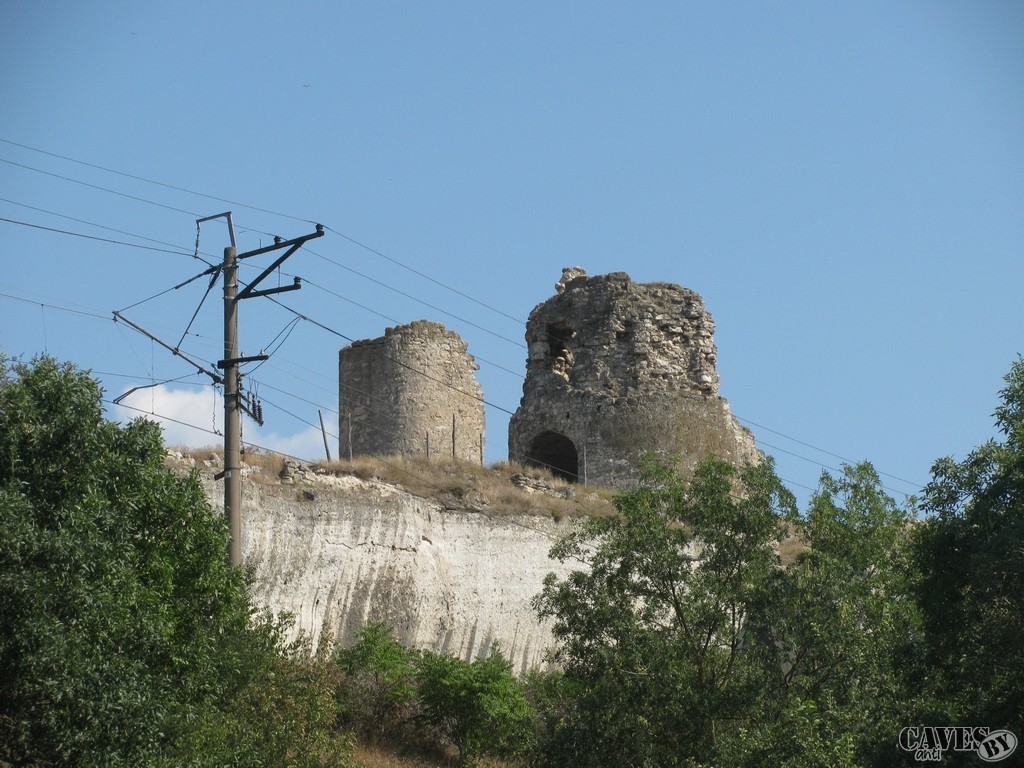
<point x="194" y="417"/>
<point x="189" y="416"/>
<point x="307" y="444"/>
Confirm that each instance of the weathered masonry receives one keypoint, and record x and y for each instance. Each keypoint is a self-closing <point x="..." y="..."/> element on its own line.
<point x="412" y="391"/>
<point x="617" y="370"/>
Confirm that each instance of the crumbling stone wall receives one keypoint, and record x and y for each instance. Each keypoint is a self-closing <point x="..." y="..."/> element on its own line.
<point x="617" y="370"/>
<point x="413" y="388"/>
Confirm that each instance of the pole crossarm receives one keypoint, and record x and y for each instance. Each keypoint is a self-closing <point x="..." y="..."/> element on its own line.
<point x="249" y="294"/>
<point x="239" y="360"/>
<point x="227" y="216"/>
<point x="292" y="245"/>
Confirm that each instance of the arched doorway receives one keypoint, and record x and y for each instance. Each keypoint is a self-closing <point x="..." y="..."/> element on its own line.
<point x="556" y="452"/>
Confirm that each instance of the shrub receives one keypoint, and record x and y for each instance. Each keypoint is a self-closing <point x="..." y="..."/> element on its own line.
<point x="377" y="690"/>
<point x="479" y="707"/>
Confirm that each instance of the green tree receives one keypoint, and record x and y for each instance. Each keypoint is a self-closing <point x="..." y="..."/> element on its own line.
<point x="123" y="630"/>
<point x="112" y="574"/>
<point x="654" y="635"/>
<point x="479" y="707"/>
<point x="970" y="551"/>
<point x="845" y="632"/>
<point x="277" y="707"/>
<point x="378" y="690"/>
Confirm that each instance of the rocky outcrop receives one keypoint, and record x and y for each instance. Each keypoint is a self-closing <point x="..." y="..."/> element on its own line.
<point x="338" y="552"/>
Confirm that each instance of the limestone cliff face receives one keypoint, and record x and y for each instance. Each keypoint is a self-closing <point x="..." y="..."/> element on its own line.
<point x="337" y="552"/>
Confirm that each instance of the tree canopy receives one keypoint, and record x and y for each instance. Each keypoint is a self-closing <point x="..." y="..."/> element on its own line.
<point x="686" y="641"/>
<point x="970" y="560"/>
<point x="685" y="638"/>
<point x="123" y="630"/>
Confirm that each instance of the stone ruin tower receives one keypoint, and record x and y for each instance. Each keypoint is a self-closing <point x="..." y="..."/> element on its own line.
<point x="412" y="390"/>
<point x="617" y="370"/>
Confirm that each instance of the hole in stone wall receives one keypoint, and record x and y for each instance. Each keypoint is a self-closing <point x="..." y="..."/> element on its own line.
<point x="557" y="453"/>
<point x="562" y="358"/>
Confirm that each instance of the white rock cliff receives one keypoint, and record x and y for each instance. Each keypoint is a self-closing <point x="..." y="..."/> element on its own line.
<point x="338" y="552"/>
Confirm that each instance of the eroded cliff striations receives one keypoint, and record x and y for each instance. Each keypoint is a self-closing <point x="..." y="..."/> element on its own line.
<point x="337" y="552"/>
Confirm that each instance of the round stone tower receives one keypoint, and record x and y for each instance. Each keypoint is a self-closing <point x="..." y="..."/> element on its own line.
<point x="411" y="391"/>
<point x="618" y="370"/>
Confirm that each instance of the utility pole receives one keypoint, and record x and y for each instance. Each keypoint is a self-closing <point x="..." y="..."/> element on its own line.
<point x="232" y="409"/>
<point x="234" y="402"/>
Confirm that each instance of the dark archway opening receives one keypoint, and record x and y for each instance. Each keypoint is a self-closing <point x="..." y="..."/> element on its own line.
<point x="557" y="453"/>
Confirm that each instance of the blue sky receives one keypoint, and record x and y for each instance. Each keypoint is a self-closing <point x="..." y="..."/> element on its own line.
<point x="843" y="183"/>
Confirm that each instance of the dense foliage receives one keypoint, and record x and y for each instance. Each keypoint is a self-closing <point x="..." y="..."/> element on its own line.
<point x="682" y="640"/>
<point x="970" y="560"/>
<point x="653" y="635"/>
<point x="124" y="634"/>
<point x="432" y="701"/>
<point x="839" y="635"/>
<point x="685" y="641"/>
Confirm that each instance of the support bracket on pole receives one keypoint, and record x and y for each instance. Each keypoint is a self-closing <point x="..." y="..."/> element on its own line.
<point x="293" y="245"/>
<point x="217" y="379"/>
<point x="239" y="360"/>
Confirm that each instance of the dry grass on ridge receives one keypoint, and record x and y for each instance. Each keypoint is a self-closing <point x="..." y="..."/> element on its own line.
<point x="444" y="479"/>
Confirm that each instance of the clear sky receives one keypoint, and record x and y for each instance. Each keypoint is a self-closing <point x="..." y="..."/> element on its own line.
<point x="843" y="183"/>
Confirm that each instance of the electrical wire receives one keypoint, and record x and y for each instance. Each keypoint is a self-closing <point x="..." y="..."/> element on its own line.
<point x="424" y="276"/>
<point x="418" y="300"/>
<point x="157" y="183"/>
<point x="328" y="291"/>
<point x="340" y="234"/>
<point x="821" y="450"/>
<point x="54" y="306"/>
<point x="401" y="363"/>
<point x="101" y="189"/>
<point x="100" y="226"/>
<point x="213" y="281"/>
<point x="272" y="213"/>
<point x="93" y="237"/>
<point x="270" y="349"/>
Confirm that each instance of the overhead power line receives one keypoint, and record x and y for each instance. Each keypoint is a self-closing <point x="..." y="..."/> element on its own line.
<point x="93" y="224"/>
<point x="345" y="237"/>
<point x="350" y="239"/>
<point x="425" y="276"/>
<point x="55" y="307"/>
<point x="382" y="284"/>
<point x="97" y="187"/>
<point x="821" y="450"/>
<point x="93" y="237"/>
<point x="157" y="183"/>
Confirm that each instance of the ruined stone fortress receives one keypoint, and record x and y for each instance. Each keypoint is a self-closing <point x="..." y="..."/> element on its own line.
<point x="616" y="370"/>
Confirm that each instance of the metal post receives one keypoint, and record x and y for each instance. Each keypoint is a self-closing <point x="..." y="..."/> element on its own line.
<point x="323" y="430"/>
<point x="453" y="437"/>
<point x="232" y="415"/>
